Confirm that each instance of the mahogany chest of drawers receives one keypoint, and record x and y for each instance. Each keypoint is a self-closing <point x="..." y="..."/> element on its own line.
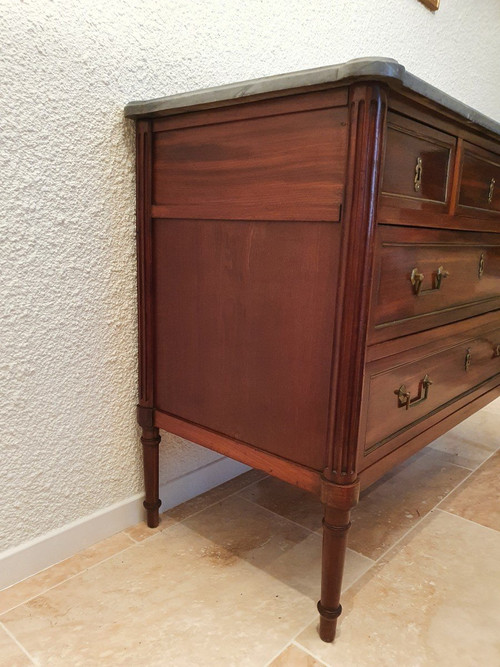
<point x="319" y="278"/>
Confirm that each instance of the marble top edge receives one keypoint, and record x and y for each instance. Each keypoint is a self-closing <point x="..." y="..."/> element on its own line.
<point x="369" y="68"/>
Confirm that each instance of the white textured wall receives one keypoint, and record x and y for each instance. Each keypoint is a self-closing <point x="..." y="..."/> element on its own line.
<point x="68" y="440"/>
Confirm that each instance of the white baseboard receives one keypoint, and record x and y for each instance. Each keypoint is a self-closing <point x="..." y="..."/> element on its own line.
<point x="202" y="479"/>
<point x="31" y="557"/>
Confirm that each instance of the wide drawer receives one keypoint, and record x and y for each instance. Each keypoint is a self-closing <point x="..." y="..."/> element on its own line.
<point x="417" y="160"/>
<point x="425" y="278"/>
<point x="480" y="179"/>
<point x="404" y="390"/>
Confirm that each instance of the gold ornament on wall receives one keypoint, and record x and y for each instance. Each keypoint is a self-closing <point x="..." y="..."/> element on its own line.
<point x="431" y="4"/>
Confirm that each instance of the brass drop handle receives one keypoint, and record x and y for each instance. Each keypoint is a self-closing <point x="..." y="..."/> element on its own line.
<point x="404" y="396"/>
<point x="468" y="358"/>
<point x="440" y="274"/>
<point x="490" y="191"/>
<point x="496" y="350"/>
<point x="417" y="278"/>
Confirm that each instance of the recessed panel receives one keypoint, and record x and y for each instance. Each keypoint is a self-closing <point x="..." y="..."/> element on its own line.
<point x="244" y="330"/>
<point x="287" y="167"/>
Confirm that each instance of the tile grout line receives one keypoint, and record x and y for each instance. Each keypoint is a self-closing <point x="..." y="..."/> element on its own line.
<point x="139" y="541"/>
<point x="306" y="650"/>
<point x="276" y="655"/>
<point x="457" y="465"/>
<point x="77" y="574"/>
<point x="474" y="523"/>
<point x="436" y="506"/>
<point x="280" y="516"/>
<point x="466" y="478"/>
<point x="18" y="643"/>
<point x="295" y="640"/>
<point x="133" y="543"/>
<point x="230" y="495"/>
<point x="374" y="562"/>
<point x="290" y="643"/>
<point x="292" y="640"/>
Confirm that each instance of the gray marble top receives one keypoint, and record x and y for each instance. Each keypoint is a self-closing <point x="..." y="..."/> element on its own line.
<point x="385" y="69"/>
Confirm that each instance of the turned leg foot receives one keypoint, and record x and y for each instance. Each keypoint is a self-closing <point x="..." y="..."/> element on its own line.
<point x="150" y="443"/>
<point x="338" y="501"/>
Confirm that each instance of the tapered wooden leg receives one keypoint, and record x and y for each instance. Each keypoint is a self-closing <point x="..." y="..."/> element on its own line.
<point x="150" y="444"/>
<point x="338" y="501"/>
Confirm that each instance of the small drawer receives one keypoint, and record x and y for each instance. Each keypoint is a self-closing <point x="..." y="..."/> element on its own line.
<point x="426" y="278"/>
<point x="417" y="160"/>
<point x="404" y="390"/>
<point x="480" y="179"/>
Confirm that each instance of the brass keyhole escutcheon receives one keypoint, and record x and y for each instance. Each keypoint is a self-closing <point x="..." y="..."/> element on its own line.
<point x="467" y="359"/>
<point x="490" y="191"/>
<point x="418" y="175"/>
<point x="481" y="265"/>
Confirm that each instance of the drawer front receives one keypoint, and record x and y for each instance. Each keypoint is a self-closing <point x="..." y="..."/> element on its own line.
<point x="429" y="277"/>
<point x="480" y="180"/>
<point x="417" y="160"/>
<point x="406" y="392"/>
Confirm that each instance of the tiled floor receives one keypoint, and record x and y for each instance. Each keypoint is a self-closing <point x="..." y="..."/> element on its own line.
<point x="232" y="577"/>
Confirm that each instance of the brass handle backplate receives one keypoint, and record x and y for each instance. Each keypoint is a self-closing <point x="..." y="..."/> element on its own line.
<point x="467" y="359"/>
<point x="418" y="175"/>
<point x="404" y="396"/>
<point x="490" y="191"/>
<point x="417" y="278"/>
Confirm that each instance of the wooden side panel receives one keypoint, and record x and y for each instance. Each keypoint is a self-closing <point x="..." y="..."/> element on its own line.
<point x="288" y="167"/>
<point x="244" y="321"/>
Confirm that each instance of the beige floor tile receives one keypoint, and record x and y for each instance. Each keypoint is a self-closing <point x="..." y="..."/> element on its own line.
<point x="172" y="516"/>
<point x="478" y="498"/>
<point x="38" y="583"/>
<point x="293" y="656"/>
<point x="228" y="586"/>
<point x="215" y="495"/>
<point x="141" y="531"/>
<point x="286" y="500"/>
<point x="282" y="549"/>
<point x="10" y="653"/>
<point x="493" y="407"/>
<point x="431" y="602"/>
<point x="473" y="441"/>
<point x="391" y="506"/>
<point x="387" y="510"/>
